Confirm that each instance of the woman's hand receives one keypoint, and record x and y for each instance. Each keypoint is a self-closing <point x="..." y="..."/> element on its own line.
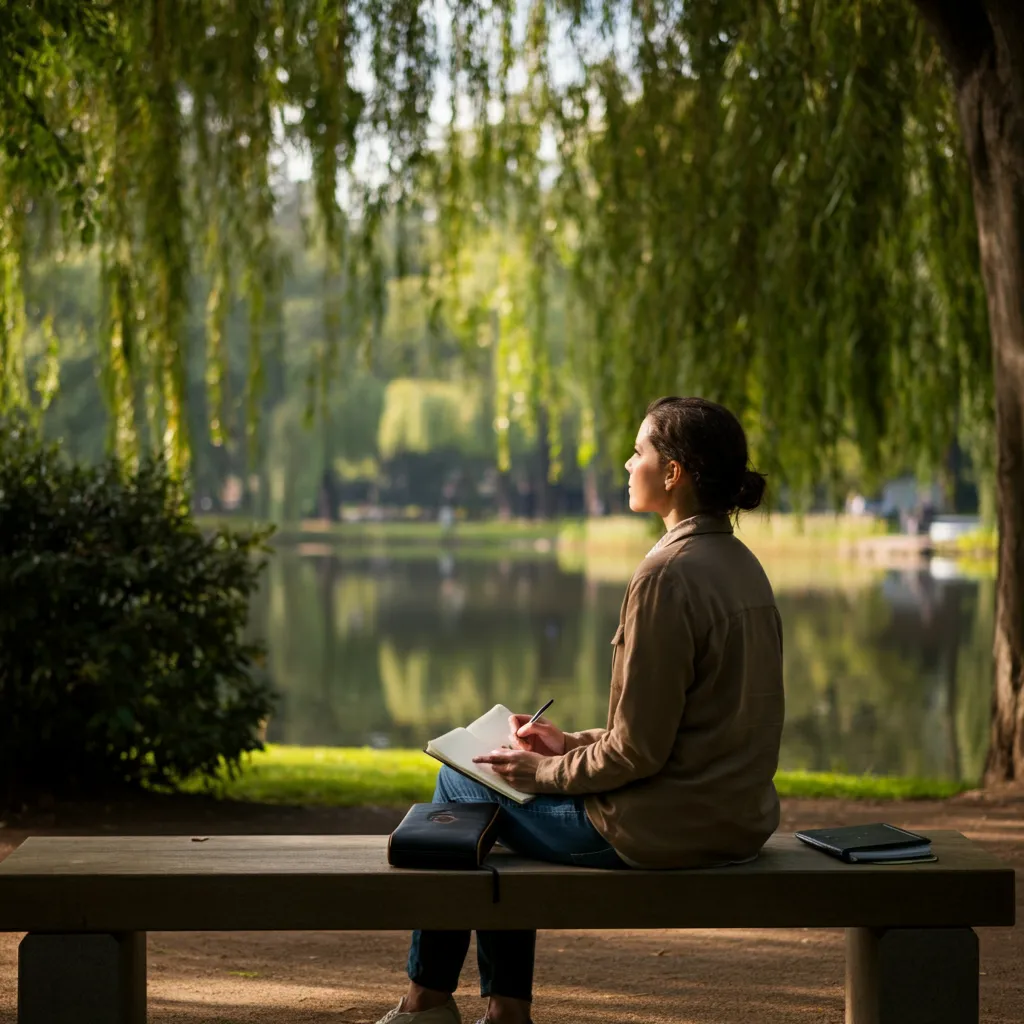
<point x="543" y="737"/>
<point x="517" y="767"/>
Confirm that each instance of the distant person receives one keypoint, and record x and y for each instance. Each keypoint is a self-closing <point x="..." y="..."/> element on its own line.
<point x="681" y="776"/>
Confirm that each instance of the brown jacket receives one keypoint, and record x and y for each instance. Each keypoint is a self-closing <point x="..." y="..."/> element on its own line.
<point x="682" y="775"/>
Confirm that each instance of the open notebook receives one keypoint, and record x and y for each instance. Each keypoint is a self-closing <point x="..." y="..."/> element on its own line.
<point x="458" y="748"/>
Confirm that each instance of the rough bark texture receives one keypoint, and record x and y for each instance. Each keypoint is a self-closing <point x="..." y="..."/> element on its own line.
<point x="984" y="43"/>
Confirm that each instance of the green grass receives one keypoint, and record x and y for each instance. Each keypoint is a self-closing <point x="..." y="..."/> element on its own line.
<point x="622" y="537"/>
<point x="477" y="531"/>
<point x="974" y="551"/>
<point x="330" y="776"/>
<point x="352" y="777"/>
<point x="866" y="787"/>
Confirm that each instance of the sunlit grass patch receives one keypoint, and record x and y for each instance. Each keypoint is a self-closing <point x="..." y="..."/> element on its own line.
<point x="403" y="532"/>
<point x="330" y="776"/>
<point x="360" y="776"/>
<point x="867" y="787"/>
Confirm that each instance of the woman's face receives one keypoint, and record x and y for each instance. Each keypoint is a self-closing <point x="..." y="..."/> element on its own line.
<point x="648" y="476"/>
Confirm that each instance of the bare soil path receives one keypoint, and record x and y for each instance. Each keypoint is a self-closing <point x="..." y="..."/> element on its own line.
<point x="703" y="977"/>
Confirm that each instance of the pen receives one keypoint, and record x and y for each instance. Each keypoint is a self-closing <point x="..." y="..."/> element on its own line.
<point x="531" y="721"/>
<point x="539" y="713"/>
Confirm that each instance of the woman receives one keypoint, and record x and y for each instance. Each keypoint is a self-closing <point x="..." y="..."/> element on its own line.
<point x="682" y="774"/>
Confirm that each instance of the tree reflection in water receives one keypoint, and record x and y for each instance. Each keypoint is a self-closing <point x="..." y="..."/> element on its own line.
<point x="889" y="673"/>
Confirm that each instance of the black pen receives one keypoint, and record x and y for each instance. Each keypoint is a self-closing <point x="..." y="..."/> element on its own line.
<point x="530" y="722"/>
<point x="536" y="716"/>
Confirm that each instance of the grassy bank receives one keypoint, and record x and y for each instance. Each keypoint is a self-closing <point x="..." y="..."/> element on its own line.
<point x="402" y="532"/>
<point x="349" y="777"/>
<point x="605" y="533"/>
<point x="608" y="539"/>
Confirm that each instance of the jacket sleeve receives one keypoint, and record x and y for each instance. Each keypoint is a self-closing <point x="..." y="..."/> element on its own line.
<point x="657" y="649"/>
<point x="583" y="738"/>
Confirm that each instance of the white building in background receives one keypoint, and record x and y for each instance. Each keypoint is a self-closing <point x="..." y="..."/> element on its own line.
<point x="919" y="508"/>
<point x="906" y="495"/>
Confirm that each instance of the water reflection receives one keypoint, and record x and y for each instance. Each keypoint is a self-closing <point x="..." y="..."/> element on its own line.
<point x="889" y="674"/>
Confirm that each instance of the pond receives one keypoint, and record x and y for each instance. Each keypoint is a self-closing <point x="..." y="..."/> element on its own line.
<point x="887" y="672"/>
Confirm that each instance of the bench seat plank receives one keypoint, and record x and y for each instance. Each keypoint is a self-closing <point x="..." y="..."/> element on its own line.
<point x="282" y="883"/>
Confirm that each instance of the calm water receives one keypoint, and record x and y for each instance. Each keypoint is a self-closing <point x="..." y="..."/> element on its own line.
<point x="889" y="673"/>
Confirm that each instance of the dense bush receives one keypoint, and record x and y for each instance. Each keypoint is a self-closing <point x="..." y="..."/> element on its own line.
<point x="122" y="660"/>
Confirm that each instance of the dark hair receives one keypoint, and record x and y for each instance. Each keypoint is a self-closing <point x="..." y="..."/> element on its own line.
<point x="708" y="442"/>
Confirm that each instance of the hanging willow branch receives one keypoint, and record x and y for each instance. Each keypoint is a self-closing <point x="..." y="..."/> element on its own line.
<point x="766" y="203"/>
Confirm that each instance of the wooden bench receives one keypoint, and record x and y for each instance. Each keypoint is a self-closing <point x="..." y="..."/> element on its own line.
<point x="87" y="903"/>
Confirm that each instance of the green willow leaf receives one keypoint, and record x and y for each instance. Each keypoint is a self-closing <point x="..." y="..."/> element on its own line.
<point x="765" y="203"/>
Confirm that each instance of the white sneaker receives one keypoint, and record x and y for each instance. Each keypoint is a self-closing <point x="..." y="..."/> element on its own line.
<point x="447" y="1014"/>
<point x="484" y="1020"/>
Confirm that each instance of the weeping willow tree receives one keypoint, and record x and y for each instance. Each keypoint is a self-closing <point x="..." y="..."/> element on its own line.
<point x="811" y="211"/>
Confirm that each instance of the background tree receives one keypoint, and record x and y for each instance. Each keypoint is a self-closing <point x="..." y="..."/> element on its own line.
<point x="770" y="203"/>
<point x="123" y="661"/>
<point x="984" y="47"/>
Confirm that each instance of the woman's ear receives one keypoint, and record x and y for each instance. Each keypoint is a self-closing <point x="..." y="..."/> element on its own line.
<point x="673" y="474"/>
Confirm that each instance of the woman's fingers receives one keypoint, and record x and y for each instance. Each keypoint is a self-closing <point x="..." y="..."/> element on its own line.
<point x="527" y="741"/>
<point x="517" y="767"/>
<point x="503" y="761"/>
<point x="515" y="723"/>
<point x="500" y="761"/>
<point x="496" y="757"/>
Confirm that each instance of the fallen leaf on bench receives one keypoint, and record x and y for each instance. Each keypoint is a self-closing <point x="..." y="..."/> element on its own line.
<point x="199" y="839"/>
<point x="245" y="974"/>
<point x="661" y="952"/>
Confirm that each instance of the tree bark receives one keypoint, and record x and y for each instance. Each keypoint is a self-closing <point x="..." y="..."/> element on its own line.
<point x="984" y="44"/>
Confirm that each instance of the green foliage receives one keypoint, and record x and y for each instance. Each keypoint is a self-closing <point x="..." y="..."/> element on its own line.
<point x="300" y="448"/>
<point x="121" y="653"/>
<point x="307" y="425"/>
<point x="421" y="416"/>
<point x="767" y="203"/>
<point x="354" y="777"/>
<point x="782" y="220"/>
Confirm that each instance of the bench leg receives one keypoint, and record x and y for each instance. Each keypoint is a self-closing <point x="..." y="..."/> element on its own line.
<point x="911" y="976"/>
<point x="82" y="978"/>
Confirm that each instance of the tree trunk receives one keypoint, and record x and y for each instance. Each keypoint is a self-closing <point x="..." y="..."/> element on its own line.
<point x="1001" y="229"/>
<point x="984" y="44"/>
<point x="539" y="479"/>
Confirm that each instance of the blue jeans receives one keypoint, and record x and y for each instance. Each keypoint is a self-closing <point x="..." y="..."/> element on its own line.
<point x="551" y="828"/>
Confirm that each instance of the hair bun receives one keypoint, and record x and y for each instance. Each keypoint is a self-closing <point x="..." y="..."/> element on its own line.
<point x="751" y="490"/>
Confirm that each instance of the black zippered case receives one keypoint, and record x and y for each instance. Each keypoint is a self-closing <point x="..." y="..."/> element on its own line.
<point x="451" y="835"/>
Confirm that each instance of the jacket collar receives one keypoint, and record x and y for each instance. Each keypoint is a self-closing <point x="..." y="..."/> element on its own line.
<point x="701" y="523"/>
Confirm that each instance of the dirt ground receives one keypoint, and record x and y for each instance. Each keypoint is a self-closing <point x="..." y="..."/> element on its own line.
<point x="770" y="976"/>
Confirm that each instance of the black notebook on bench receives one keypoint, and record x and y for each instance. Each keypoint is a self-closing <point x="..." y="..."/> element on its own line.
<point x="877" y="843"/>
